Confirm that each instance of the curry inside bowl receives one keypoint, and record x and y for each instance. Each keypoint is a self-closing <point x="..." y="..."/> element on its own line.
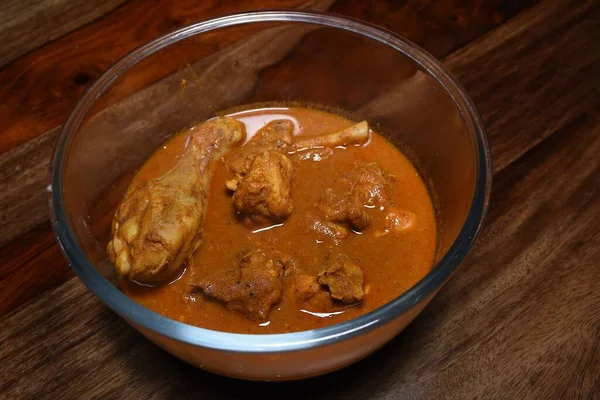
<point x="270" y="58"/>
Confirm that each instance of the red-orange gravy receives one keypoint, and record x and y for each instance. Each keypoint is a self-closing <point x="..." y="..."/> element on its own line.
<point x="391" y="263"/>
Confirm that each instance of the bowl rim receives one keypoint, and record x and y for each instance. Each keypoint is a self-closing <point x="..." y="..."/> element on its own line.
<point x="282" y="342"/>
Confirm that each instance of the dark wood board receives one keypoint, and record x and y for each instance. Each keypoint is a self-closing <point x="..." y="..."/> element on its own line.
<point x="38" y="90"/>
<point x="521" y="318"/>
<point x="28" y="24"/>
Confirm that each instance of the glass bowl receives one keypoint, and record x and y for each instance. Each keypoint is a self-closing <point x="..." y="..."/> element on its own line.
<point x="283" y="57"/>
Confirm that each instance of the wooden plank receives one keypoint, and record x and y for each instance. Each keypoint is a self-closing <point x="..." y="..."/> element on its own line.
<point x="66" y="67"/>
<point x="521" y="312"/>
<point x="23" y="181"/>
<point x="550" y="66"/>
<point x="28" y="24"/>
<point x="30" y="265"/>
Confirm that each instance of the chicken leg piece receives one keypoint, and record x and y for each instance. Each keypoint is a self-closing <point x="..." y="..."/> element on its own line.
<point x="158" y="224"/>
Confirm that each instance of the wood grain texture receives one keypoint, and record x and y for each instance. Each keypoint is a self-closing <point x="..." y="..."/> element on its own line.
<point x="26" y="112"/>
<point x="39" y="89"/>
<point x="552" y="73"/>
<point x="520" y="320"/>
<point x="28" y="24"/>
<point x="23" y="180"/>
<point x="30" y="265"/>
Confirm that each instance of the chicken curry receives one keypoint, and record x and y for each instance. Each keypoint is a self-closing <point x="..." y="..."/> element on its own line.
<point x="273" y="220"/>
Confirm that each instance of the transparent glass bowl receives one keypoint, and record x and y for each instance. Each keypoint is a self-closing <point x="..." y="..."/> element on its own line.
<point x="276" y="56"/>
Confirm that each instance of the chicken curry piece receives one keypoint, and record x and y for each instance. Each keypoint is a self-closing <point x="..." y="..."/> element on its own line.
<point x="273" y="220"/>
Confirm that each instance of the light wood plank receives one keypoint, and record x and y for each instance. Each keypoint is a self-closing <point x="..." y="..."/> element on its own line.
<point x="28" y="24"/>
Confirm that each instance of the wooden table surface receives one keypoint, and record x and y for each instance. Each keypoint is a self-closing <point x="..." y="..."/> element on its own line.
<point x="521" y="319"/>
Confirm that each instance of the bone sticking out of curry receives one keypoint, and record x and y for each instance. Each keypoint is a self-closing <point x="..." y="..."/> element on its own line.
<point x="310" y="220"/>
